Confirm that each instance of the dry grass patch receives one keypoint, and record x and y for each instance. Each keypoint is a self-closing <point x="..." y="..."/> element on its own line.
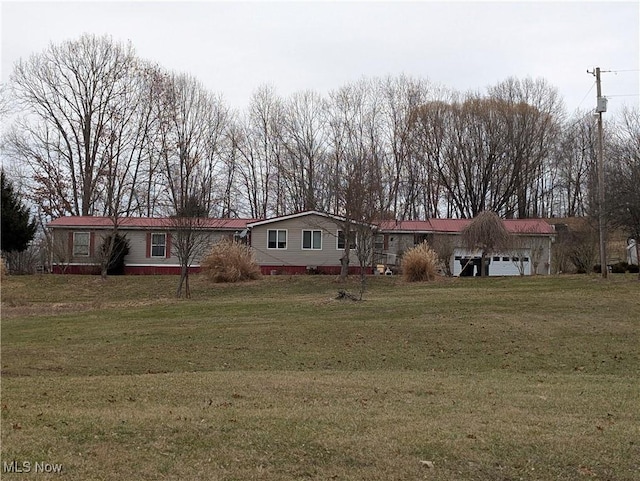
<point x="489" y="379"/>
<point x="420" y="263"/>
<point x="328" y="425"/>
<point x="230" y="261"/>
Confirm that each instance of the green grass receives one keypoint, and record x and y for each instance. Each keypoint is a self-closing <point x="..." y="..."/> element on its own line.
<point x="490" y="379"/>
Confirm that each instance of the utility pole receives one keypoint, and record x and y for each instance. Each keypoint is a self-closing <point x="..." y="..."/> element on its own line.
<point x="601" y="106"/>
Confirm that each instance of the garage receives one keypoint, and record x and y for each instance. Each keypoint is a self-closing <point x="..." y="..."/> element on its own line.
<point x="467" y="264"/>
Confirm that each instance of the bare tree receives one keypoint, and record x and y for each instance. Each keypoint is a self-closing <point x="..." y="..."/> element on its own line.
<point x="356" y="181"/>
<point x="623" y="178"/>
<point x="526" y="243"/>
<point x="261" y="151"/>
<point x="531" y="124"/>
<point x="78" y="96"/>
<point x="303" y="136"/>
<point x="574" y="163"/>
<point x="486" y="233"/>
<point x="190" y="241"/>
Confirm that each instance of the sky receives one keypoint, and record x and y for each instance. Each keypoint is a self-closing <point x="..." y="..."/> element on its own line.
<point x="234" y="47"/>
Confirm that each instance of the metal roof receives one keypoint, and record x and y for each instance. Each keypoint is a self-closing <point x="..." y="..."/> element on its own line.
<point x="146" y="222"/>
<point x="514" y="226"/>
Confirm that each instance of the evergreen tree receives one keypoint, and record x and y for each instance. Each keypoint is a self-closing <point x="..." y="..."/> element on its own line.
<point x="17" y="228"/>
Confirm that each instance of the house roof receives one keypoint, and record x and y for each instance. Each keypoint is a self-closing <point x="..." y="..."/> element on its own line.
<point x="405" y="225"/>
<point x="336" y="218"/>
<point x="454" y="226"/>
<point x="144" y="223"/>
<point x="515" y="226"/>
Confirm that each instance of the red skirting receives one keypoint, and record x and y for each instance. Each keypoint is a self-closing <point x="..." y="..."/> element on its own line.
<point x="175" y="270"/>
<point x="297" y="270"/>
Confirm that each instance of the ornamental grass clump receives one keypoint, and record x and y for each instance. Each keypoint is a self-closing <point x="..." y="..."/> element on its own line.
<point x="230" y="261"/>
<point x="420" y="263"/>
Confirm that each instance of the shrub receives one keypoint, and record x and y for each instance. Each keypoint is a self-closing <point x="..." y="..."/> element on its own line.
<point x="230" y="261"/>
<point x="420" y="263"/>
<point x="119" y="250"/>
<point x="633" y="268"/>
<point x="619" y="268"/>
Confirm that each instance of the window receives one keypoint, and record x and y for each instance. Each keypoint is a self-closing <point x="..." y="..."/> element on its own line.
<point x="158" y="245"/>
<point x="341" y="240"/>
<point x="312" y="239"/>
<point x="506" y="259"/>
<point x="381" y="242"/>
<point x="277" y="239"/>
<point x="496" y="258"/>
<point x="81" y="242"/>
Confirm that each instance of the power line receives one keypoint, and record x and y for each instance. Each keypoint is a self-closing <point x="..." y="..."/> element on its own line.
<point x="624" y="95"/>
<point x="586" y="95"/>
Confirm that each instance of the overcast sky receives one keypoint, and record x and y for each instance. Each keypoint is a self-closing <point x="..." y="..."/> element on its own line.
<point x="235" y="47"/>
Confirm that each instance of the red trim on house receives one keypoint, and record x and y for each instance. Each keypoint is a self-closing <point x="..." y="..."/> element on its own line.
<point x="297" y="270"/>
<point x="175" y="270"/>
<point x="128" y="270"/>
<point x="157" y="270"/>
<point x="84" y="270"/>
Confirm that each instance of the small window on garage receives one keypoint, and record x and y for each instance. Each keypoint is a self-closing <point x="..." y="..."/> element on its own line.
<point x="496" y="258"/>
<point x="505" y="259"/>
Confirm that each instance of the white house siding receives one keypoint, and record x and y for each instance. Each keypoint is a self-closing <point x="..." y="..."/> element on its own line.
<point x="400" y="242"/>
<point x="138" y="247"/>
<point x="294" y="255"/>
<point x="137" y="238"/>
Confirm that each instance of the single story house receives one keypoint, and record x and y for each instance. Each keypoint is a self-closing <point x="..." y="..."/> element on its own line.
<point x="304" y="242"/>
<point x="76" y="242"/>
<point x="530" y="251"/>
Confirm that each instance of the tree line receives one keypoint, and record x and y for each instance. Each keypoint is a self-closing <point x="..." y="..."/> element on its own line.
<point x="99" y="131"/>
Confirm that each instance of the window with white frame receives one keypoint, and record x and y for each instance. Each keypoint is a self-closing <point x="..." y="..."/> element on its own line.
<point x="158" y="245"/>
<point x="276" y="239"/>
<point x="342" y="243"/>
<point x="81" y="242"/>
<point x="312" y="239"/>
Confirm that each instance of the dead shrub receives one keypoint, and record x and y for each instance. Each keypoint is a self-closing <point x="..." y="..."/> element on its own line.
<point x="420" y="263"/>
<point x="3" y="268"/>
<point x="230" y="261"/>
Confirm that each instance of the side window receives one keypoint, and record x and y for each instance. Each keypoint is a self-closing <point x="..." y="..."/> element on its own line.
<point x="276" y="239"/>
<point x="158" y="245"/>
<point x="81" y="242"/>
<point x="312" y="239"/>
<point x="341" y="240"/>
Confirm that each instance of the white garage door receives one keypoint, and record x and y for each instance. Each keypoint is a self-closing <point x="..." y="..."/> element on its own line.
<point x="510" y="265"/>
<point x="500" y="265"/>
